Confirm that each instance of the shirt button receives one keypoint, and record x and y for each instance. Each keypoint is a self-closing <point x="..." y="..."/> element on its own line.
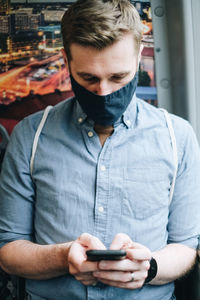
<point x="128" y="122"/>
<point x="101" y="209"/>
<point x="80" y="120"/>
<point x="103" y="168"/>
<point x="90" y="134"/>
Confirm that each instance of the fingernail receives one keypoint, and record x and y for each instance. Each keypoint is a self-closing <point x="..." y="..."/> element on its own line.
<point x="102" y="265"/>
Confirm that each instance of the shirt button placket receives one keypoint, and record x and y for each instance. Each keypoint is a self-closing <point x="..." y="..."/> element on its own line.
<point x="103" y="169"/>
<point x="101" y="200"/>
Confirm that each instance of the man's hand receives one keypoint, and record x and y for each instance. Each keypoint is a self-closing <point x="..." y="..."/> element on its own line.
<point x="79" y="266"/>
<point x="119" y="273"/>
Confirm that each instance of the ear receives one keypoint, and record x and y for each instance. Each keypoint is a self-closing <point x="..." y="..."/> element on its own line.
<point x="139" y="56"/>
<point x="140" y="52"/>
<point x="65" y="58"/>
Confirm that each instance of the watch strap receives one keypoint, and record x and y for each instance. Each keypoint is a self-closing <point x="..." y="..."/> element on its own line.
<point x="152" y="270"/>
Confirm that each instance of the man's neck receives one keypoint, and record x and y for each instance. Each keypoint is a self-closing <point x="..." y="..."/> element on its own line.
<point x="103" y="132"/>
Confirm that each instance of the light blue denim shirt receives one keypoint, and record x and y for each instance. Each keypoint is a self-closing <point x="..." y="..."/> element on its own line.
<point x="79" y="186"/>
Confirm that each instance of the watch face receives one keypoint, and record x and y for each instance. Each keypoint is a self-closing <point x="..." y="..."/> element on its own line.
<point x="152" y="270"/>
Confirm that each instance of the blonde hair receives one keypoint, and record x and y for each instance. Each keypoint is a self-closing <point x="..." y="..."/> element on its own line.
<point x="100" y="23"/>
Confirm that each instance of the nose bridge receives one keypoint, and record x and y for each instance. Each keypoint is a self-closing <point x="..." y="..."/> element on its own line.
<point x="103" y="87"/>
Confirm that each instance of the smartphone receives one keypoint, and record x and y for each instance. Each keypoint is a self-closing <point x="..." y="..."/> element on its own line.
<point x="97" y="255"/>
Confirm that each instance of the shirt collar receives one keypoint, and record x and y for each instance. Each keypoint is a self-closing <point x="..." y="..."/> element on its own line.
<point x="130" y="114"/>
<point x="128" y="117"/>
<point x="79" y="115"/>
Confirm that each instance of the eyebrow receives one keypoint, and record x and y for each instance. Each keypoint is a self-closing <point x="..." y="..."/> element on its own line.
<point x="120" y="74"/>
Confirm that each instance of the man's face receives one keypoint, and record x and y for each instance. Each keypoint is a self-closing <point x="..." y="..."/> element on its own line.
<point x="104" y="71"/>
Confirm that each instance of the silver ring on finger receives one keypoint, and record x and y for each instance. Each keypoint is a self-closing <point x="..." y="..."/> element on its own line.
<point x="132" y="277"/>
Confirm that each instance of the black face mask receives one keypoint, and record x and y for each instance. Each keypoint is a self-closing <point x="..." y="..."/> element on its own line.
<point x="105" y="110"/>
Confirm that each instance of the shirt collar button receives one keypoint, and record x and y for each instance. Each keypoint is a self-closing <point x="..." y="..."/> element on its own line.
<point x="90" y="134"/>
<point x="80" y="120"/>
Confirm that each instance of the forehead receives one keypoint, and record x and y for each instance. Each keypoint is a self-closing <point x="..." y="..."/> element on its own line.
<point x="115" y="58"/>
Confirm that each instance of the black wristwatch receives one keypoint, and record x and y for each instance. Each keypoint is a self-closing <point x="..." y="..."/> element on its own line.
<point x="152" y="270"/>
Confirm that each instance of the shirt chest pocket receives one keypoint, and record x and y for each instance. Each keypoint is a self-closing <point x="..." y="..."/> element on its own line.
<point x="145" y="192"/>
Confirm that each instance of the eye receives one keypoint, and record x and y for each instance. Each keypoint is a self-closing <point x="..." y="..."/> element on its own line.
<point x="118" y="78"/>
<point x="91" y="79"/>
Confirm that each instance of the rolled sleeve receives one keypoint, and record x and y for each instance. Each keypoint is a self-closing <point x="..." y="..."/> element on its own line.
<point x="17" y="189"/>
<point x="184" y="215"/>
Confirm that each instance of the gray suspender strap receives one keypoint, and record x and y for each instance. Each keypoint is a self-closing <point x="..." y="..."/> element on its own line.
<point x="174" y="149"/>
<point x="37" y="135"/>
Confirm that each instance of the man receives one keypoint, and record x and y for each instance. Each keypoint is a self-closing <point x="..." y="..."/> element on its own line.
<point x="101" y="176"/>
